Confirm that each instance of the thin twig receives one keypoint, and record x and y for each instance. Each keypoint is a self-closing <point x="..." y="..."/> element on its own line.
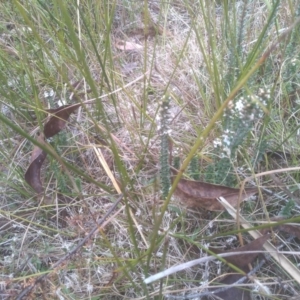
<point x="29" y="288"/>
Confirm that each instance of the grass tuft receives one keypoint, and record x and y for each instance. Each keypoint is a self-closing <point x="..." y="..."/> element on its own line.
<point x="228" y="74"/>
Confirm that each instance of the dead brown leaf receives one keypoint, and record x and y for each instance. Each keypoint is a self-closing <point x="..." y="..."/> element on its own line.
<point x="58" y="120"/>
<point x="292" y="230"/>
<point x="241" y="261"/>
<point x="33" y="173"/>
<point x="233" y="293"/>
<point x="149" y="31"/>
<point x="53" y="126"/>
<point x="204" y="195"/>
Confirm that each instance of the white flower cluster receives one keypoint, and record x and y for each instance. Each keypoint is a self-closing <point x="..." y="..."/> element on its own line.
<point x="238" y="121"/>
<point x="49" y="94"/>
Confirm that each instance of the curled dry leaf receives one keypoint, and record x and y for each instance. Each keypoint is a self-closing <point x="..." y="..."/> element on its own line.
<point x="241" y="261"/>
<point x="58" y="120"/>
<point x="292" y="230"/>
<point x="53" y="126"/>
<point x="204" y="195"/>
<point x="33" y="173"/>
<point x="233" y="292"/>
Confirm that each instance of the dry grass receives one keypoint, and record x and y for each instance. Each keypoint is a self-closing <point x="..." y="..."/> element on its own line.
<point x="187" y="52"/>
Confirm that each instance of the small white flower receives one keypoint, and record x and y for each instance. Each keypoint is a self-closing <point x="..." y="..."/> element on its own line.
<point x="226" y="140"/>
<point x="159" y="254"/>
<point x="48" y="94"/>
<point x="26" y="29"/>
<point x="239" y="105"/>
<point x="217" y="143"/>
<point x="61" y="102"/>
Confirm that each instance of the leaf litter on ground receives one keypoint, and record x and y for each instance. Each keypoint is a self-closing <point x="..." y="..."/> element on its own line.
<point x="241" y="261"/>
<point x="53" y="126"/>
<point x="240" y="257"/>
<point x="33" y="173"/>
<point x="58" y="119"/>
<point x="204" y="195"/>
